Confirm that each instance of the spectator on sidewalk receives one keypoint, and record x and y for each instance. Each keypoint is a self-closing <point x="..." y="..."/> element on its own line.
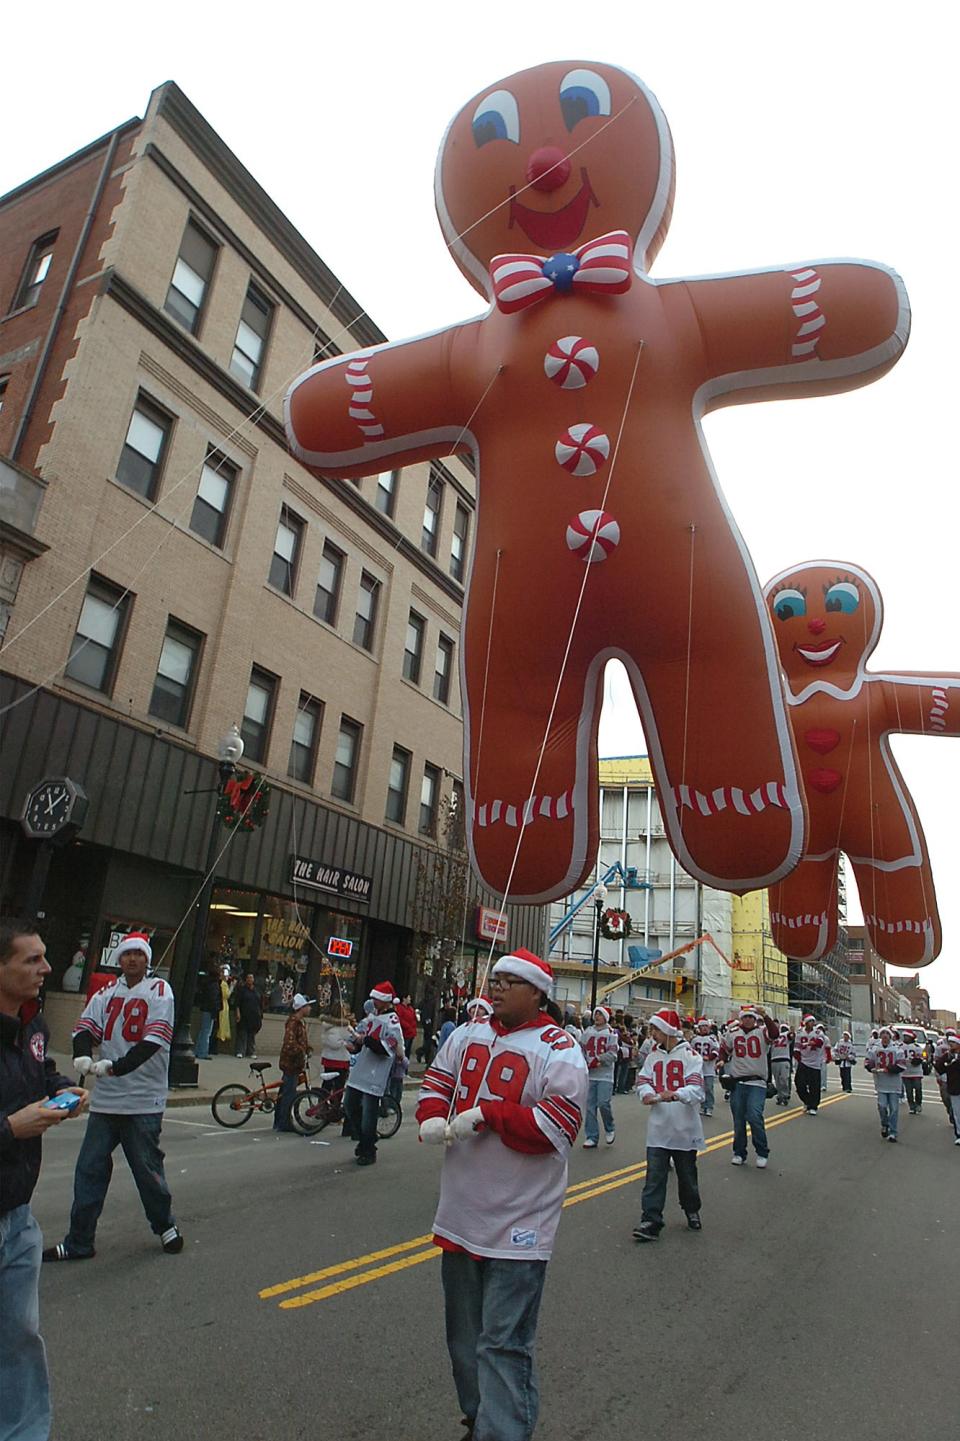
<point x="248" y="1015"/>
<point x="671" y="1083"/>
<point x="885" y="1061"/>
<point x="845" y="1055"/>
<point x="599" y="1043"/>
<point x="746" y="1058"/>
<point x="226" y="1012"/>
<point x="781" y="1063"/>
<point x="333" y="1033"/>
<point x="448" y="1024"/>
<point x="811" y="1051"/>
<point x="28" y="1080"/>
<point x="377" y="1041"/>
<point x="947" y="1067"/>
<point x="407" y="1017"/>
<point x="293" y="1058"/>
<point x="912" y="1071"/>
<point x="210" y="1003"/>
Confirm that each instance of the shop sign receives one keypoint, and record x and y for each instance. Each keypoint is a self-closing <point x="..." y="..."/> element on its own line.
<point x="338" y="948"/>
<point x="491" y="925"/>
<point x="332" y="880"/>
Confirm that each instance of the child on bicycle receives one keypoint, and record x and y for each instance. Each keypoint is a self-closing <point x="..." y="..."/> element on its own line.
<point x="293" y="1057"/>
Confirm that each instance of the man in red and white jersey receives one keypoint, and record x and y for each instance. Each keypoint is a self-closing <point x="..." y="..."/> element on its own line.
<point x="885" y="1061"/>
<point x="707" y="1047"/>
<point x="745" y="1053"/>
<point x="131" y="1021"/>
<point x="811" y="1051"/>
<point x="671" y="1083"/>
<point x="845" y="1055"/>
<point x="781" y="1063"/>
<point x="913" y="1071"/>
<point x="513" y="1089"/>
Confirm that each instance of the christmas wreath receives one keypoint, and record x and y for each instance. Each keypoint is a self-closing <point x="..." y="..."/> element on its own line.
<point x="615" y="925"/>
<point x="244" y="802"/>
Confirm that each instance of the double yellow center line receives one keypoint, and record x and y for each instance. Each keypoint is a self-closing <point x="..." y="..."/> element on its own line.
<point x="423" y="1249"/>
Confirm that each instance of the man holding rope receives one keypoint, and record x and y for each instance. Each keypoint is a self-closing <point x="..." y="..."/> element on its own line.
<point x="507" y="1097"/>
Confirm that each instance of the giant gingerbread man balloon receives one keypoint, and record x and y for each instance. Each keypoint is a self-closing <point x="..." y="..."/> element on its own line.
<point x="601" y="529"/>
<point x="827" y="620"/>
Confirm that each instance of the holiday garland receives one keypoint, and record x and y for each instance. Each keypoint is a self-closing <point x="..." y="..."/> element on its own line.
<point x="244" y="802"/>
<point x="615" y="925"/>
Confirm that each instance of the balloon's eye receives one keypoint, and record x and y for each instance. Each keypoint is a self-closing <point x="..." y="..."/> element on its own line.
<point x="496" y="118"/>
<point x="843" y="596"/>
<point x="583" y="93"/>
<point x="789" y="603"/>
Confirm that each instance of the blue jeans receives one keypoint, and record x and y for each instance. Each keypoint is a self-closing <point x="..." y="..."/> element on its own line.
<point x="24" y="1386"/>
<point x="491" y="1310"/>
<point x="139" y="1137"/>
<point x="746" y="1103"/>
<point x="360" y="1114"/>
<point x="202" y="1051"/>
<point x="285" y="1100"/>
<point x="655" y="1188"/>
<point x="708" y="1085"/>
<point x="888" y="1104"/>
<point x="598" y="1094"/>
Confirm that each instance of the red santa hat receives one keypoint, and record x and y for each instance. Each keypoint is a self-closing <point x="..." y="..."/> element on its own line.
<point x="481" y="1005"/>
<point x="668" y="1022"/>
<point x="953" y="1039"/>
<point x="784" y="1029"/>
<point x="527" y="967"/>
<point x="909" y="1035"/>
<point x="751" y="1011"/>
<point x="384" y="992"/>
<point x="136" y="941"/>
<point x="809" y="1018"/>
<point x="703" y="1021"/>
<point x="602" y="1011"/>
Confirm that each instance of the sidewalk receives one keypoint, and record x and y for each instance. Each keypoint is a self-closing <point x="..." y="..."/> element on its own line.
<point x="221" y="1071"/>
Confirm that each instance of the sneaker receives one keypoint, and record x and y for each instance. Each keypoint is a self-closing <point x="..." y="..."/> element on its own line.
<point x="892" y="1138"/>
<point x="646" y="1231"/>
<point x="737" y="1160"/>
<point x="239" y="1055"/>
<point x="589" y="1145"/>
<point x="811" y="1110"/>
<point x="884" y="1133"/>
<point x="694" y="1223"/>
<point x="59" y="1252"/>
<point x="366" y="1160"/>
<point x="609" y="1137"/>
<point x="171" y="1240"/>
<point x="957" y="1141"/>
<point x="761" y="1163"/>
<point x="708" y="1113"/>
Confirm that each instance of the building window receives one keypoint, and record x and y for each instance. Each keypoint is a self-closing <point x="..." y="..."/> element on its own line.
<point x="191" y="277"/>
<point x="458" y="547"/>
<point x="386" y="495"/>
<point x="444" y="670"/>
<point x="286" y="552"/>
<point x="431" y="516"/>
<point x="413" y="652"/>
<point x="346" y="760"/>
<point x="141" y="459"/>
<point x="365" y="620"/>
<point x="212" y="505"/>
<point x="326" y="602"/>
<point x="397" y="786"/>
<point x="429" y="796"/>
<point x="258" y="714"/>
<point x="96" y="646"/>
<point x="246" y="363"/>
<point x="38" y="265"/>
<point x="174" y="684"/>
<point x="306" y="738"/>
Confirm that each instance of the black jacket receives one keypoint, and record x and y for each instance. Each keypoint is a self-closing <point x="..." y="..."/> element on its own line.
<point x="949" y="1067"/>
<point x="211" y="996"/>
<point x="246" y="1000"/>
<point x="26" y="1074"/>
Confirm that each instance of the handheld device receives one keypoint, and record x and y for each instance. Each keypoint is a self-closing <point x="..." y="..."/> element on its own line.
<point x="69" y="1101"/>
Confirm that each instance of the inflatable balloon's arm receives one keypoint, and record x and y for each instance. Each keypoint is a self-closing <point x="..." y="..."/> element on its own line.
<point x="918" y="704"/>
<point x="808" y="329"/>
<point x="375" y="409"/>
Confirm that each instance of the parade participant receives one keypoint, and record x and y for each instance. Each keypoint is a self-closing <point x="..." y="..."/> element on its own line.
<point x="707" y="1048"/>
<point x="845" y="1055"/>
<point x="885" y="1061"/>
<point x="822" y="1031"/>
<point x="600" y="1044"/>
<point x="947" y="1067"/>
<point x="912" y="1071"/>
<point x="811" y="1051"/>
<point x="293" y="1057"/>
<point x="517" y="1091"/>
<point x="332" y="1033"/>
<point x="671" y="1083"/>
<point x="376" y="1042"/>
<point x="941" y="1049"/>
<point x="781" y="1064"/>
<point x="480" y="1009"/>
<point x="132" y="1023"/>
<point x="746" y="1058"/>
<point x="28" y="1082"/>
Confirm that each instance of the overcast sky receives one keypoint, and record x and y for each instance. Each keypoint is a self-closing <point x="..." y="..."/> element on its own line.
<point x="812" y="132"/>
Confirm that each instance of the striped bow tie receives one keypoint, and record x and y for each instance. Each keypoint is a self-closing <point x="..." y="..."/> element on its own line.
<point x="601" y="267"/>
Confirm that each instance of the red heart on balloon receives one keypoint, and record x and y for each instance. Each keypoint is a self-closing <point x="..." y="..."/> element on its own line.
<point x="824" y="780"/>
<point x="822" y="741"/>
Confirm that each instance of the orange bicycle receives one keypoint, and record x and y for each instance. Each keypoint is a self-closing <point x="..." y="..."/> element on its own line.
<point x="234" y="1104"/>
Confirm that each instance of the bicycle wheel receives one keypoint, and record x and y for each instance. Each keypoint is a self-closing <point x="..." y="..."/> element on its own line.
<point x="388" y="1118"/>
<point x="233" y="1105"/>
<point x="310" y="1111"/>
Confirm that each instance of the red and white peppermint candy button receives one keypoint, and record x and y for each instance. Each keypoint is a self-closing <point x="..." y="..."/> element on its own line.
<point x="593" y="535"/>
<point x="571" y="362"/>
<point x="582" y="449"/>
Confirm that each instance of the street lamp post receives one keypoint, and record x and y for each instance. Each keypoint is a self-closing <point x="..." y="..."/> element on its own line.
<point x="600" y="896"/>
<point x="184" y="1069"/>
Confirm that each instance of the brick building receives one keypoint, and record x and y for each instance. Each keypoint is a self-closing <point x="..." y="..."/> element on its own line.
<point x="169" y="570"/>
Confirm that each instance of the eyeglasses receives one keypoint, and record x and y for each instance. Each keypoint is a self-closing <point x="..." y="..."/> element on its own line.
<point x="506" y="983"/>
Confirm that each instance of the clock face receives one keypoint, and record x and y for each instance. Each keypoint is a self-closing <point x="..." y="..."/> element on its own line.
<point x="48" y="808"/>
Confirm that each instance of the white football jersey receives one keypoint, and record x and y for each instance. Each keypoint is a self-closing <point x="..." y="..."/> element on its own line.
<point x="886" y="1063"/>
<point x="673" y="1125"/>
<point x="117" y="1018"/>
<point x="708" y="1049"/>
<point x="811" y="1049"/>
<point x="494" y="1200"/>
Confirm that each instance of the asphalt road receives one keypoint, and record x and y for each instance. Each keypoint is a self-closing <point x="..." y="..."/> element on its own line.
<point x="822" y="1295"/>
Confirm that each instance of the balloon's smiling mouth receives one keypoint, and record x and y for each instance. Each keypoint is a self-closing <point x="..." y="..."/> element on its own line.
<point x="819" y="654"/>
<point x="554" y="229"/>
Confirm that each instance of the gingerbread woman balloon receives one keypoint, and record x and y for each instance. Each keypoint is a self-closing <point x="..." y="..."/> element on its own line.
<point x="827" y="620"/>
<point x="601" y="529"/>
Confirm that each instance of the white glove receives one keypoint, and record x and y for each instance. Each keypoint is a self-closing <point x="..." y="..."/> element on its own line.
<point x="433" y="1131"/>
<point x="83" y="1064"/>
<point x="467" y="1124"/>
<point x="102" y="1068"/>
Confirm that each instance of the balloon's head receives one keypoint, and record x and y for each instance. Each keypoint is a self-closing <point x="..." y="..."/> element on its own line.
<point x="826" y="619"/>
<point x="549" y="158"/>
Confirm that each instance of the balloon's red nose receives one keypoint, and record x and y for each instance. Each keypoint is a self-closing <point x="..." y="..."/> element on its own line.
<point x="548" y="168"/>
<point x="816" y="626"/>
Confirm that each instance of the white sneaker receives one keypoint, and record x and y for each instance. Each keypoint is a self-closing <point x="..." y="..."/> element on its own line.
<point x="811" y="1111"/>
<point x="589" y="1145"/>
<point x="736" y="1160"/>
<point x="957" y="1141"/>
<point x="609" y="1137"/>
<point x="761" y="1163"/>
